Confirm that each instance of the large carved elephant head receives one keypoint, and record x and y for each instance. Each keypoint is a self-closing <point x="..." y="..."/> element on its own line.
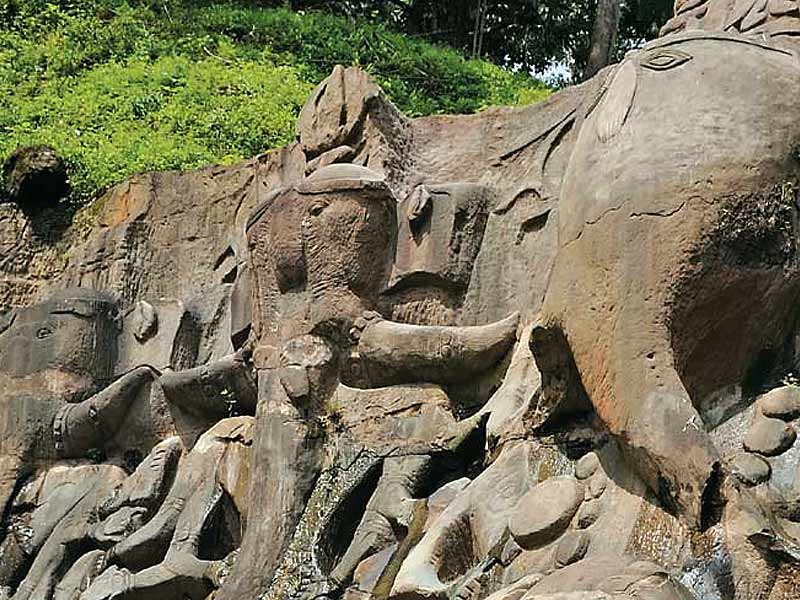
<point x="677" y="266"/>
<point x="65" y="344"/>
<point x="321" y="253"/>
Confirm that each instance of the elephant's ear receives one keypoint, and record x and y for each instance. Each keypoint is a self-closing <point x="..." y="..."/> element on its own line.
<point x="613" y="109"/>
<point x="7" y="318"/>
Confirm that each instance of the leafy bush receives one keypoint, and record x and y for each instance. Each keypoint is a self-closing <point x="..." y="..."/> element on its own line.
<point x="419" y="77"/>
<point x="119" y="87"/>
<point x="169" y="113"/>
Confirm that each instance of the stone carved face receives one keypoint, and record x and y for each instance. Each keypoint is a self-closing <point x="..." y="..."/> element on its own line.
<point x="678" y="262"/>
<point x="684" y="179"/>
<point x="348" y="237"/>
<point x="689" y="117"/>
<point x="320" y="251"/>
<point x="72" y="333"/>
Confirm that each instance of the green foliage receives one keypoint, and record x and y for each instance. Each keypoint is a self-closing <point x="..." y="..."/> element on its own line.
<point x="532" y="35"/>
<point x="119" y="87"/>
<point x="123" y="117"/>
<point x="419" y="77"/>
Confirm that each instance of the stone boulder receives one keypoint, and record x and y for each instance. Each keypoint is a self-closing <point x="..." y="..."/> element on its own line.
<point x="544" y="513"/>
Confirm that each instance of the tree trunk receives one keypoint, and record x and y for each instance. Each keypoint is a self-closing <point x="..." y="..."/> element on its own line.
<point x="477" y="34"/>
<point x="604" y="36"/>
<point x="478" y="11"/>
<point x="482" y="29"/>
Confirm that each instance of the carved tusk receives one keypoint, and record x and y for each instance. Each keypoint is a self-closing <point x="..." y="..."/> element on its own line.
<point x="434" y="354"/>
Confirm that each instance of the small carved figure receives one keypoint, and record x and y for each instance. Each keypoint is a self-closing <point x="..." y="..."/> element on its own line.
<point x="37" y="513"/>
<point x="425" y="438"/>
<point x="53" y="355"/>
<point x="111" y="508"/>
<point x="63" y="545"/>
<point x="471" y="529"/>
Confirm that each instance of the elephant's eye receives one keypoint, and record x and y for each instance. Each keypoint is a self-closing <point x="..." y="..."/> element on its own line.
<point x="663" y="60"/>
<point x="317" y="208"/>
<point x="44" y="332"/>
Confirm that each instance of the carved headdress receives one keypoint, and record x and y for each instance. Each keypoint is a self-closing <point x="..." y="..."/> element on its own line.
<point x="777" y="20"/>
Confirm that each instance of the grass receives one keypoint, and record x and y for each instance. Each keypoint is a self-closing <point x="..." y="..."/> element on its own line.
<point x="122" y="87"/>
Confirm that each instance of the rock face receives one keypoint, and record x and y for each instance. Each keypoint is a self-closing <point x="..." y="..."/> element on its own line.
<point x="528" y="354"/>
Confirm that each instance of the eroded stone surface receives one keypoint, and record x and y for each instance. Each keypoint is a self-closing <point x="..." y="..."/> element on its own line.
<point x="367" y="365"/>
<point x="781" y="403"/>
<point x="572" y="548"/>
<point x="769" y="437"/>
<point x="587" y="465"/>
<point x="750" y="469"/>
<point x="544" y="513"/>
<point x="588" y="514"/>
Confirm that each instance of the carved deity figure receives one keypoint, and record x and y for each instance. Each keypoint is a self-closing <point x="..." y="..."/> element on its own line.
<point x="181" y="550"/>
<point x="588" y="444"/>
<point x="677" y="234"/>
<point x="61" y="401"/>
<point x="321" y="255"/>
<point x="53" y="356"/>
